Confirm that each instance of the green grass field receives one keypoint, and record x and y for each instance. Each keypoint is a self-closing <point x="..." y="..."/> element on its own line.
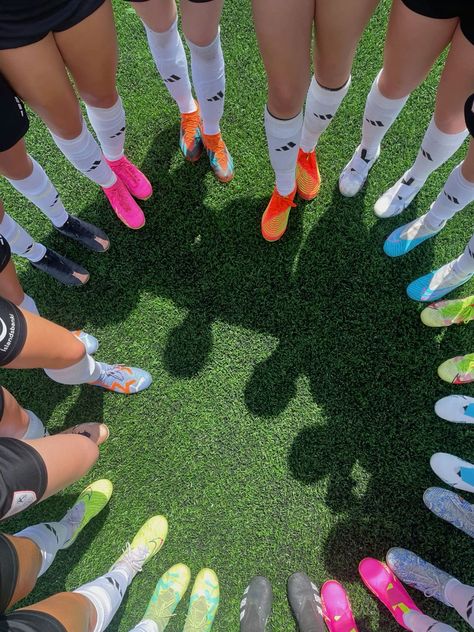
<point x="290" y="423"/>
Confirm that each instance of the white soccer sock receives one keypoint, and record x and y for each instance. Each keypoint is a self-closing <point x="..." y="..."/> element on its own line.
<point x="36" y="429"/>
<point x="208" y="68"/>
<point x="147" y="625"/>
<point x="29" y="304"/>
<point x="283" y="137"/>
<point x="106" y="594"/>
<point x="109" y="126"/>
<point x="436" y="148"/>
<point x="85" y="371"/>
<point x="321" y="106"/>
<point x="461" y="597"/>
<point x="39" y="190"/>
<point x="84" y="153"/>
<point x="465" y="263"/>
<point x="170" y="59"/>
<point x="49" y="537"/>
<point x="457" y="193"/>
<point x="418" y="622"/>
<point x="379" y="115"/>
<point x="21" y="242"/>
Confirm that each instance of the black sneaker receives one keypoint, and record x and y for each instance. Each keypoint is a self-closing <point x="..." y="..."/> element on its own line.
<point x="256" y="605"/>
<point x="62" y="269"/>
<point x="86" y="234"/>
<point x="305" y="602"/>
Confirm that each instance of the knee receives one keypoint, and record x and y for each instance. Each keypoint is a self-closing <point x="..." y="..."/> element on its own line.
<point x="331" y="75"/>
<point x="284" y="101"/>
<point x="394" y="86"/>
<point x="104" y="100"/>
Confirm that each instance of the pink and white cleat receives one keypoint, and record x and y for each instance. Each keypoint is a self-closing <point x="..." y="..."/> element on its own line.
<point x="135" y="181"/>
<point x="124" y="206"/>
<point x="337" y="611"/>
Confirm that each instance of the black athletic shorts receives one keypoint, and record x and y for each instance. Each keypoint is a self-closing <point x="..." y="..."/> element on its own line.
<point x="23" y="477"/>
<point x="12" y="331"/>
<point x="189" y="0"/>
<point x="469" y="114"/>
<point x="24" y="22"/>
<point x="30" y="621"/>
<point x="444" y="9"/>
<point x="14" y="121"/>
<point x="5" y="253"/>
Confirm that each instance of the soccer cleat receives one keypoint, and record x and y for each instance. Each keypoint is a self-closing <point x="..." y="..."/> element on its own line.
<point x="124" y="206"/>
<point x="168" y="593"/>
<point x="414" y="571"/>
<point x="136" y="182"/>
<point x="219" y="157"/>
<point x="406" y="238"/>
<point x="381" y="581"/>
<point x="305" y="603"/>
<point x="86" y="234"/>
<point x="437" y="284"/>
<point x="190" y="137"/>
<point x="203" y="603"/>
<point x="256" y="605"/>
<point x="450" y="507"/>
<point x="98" y="433"/>
<point x="122" y="379"/>
<point x="308" y="178"/>
<point x="446" y="313"/>
<point x="458" y="409"/>
<point x="458" y="370"/>
<point x="62" y="269"/>
<point x="355" y="173"/>
<point x="145" y="545"/>
<point x="89" y="341"/>
<point x="90" y="502"/>
<point x="453" y="471"/>
<point x="275" y="217"/>
<point x="398" y="197"/>
<point x="337" y="611"/>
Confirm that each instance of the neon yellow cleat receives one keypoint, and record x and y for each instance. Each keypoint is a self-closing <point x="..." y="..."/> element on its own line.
<point x="446" y="313"/>
<point x="90" y="502"/>
<point x="168" y="593"/>
<point x="203" y="603"/>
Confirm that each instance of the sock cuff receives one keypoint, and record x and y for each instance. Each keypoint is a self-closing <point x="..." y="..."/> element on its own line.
<point x="462" y="182"/>
<point x="449" y="140"/>
<point x="283" y="128"/>
<point x="384" y="102"/>
<point x="71" y="142"/>
<point x="106" y="114"/>
<point x="89" y="594"/>
<point x="451" y="584"/>
<point x="329" y="97"/>
<point x="160" y="37"/>
<point x="86" y="370"/>
<point x="35" y="183"/>
<point x="210" y="50"/>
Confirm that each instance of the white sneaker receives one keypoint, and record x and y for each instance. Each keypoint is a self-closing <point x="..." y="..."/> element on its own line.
<point x="355" y="173"/>
<point x="456" y="408"/>
<point x="448" y="467"/>
<point x="398" y="197"/>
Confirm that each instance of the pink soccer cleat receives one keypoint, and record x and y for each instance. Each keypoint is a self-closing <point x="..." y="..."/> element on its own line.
<point x="337" y="611"/>
<point x="135" y="181"/>
<point x="382" y="582"/>
<point x="124" y="206"/>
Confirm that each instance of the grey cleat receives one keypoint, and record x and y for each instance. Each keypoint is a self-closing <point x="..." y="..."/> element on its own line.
<point x="305" y="603"/>
<point x="256" y="605"/>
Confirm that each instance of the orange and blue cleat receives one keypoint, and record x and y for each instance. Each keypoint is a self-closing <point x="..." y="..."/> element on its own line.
<point x="308" y="178"/>
<point x="219" y="156"/>
<point x="190" y="138"/>
<point x="275" y="217"/>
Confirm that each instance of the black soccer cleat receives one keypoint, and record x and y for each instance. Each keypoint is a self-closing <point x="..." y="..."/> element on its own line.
<point x="305" y="603"/>
<point x="86" y="234"/>
<point x="256" y="605"/>
<point x="62" y="269"/>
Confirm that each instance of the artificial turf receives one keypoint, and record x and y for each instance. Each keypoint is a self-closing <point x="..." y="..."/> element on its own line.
<point x="290" y="423"/>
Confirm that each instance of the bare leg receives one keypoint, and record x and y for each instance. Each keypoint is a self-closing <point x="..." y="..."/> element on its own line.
<point x="14" y="421"/>
<point x="456" y="84"/>
<point x="47" y="346"/>
<point x="338" y="30"/>
<point x="158" y="15"/>
<point x="413" y="44"/>
<point x="67" y="457"/>
<point x="90" y="51"/>
<point x="201" y="21"/>
<point x="284" y="34"/>
<point x="75" y="612"/>
<point x="29" y="565"/>
<point x="15" y="163"/>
